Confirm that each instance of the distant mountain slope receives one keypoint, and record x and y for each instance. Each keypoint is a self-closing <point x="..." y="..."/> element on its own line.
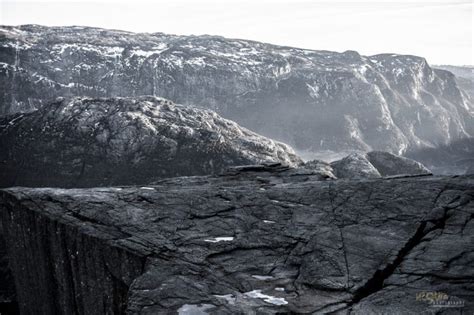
<point x="456" y="157"/>
<point x="464" y="77"/>
<point x="465" y="72"/>
<point x="312" y="100"/>
<point x="98" y="142"/>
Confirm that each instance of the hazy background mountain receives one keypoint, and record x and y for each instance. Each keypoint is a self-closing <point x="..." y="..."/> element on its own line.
<point x="464" y="77"/>
<point x="316" y="101"/>
<point x="456" y="157"/>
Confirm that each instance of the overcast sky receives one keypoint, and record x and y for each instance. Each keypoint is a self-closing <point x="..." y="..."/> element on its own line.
<point x="439" y="30"/>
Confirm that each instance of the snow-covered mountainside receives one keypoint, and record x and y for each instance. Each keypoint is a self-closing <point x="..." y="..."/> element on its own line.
<point x="312" y="100"/>
<point x="108" y="141"/>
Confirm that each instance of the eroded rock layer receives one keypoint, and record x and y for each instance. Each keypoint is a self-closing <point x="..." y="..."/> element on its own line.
<point x="258" y="240"/>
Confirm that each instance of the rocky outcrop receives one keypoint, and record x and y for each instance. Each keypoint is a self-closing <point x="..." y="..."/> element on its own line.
<point x="256" y="240"/>
<point x="389" y="164"/>
<point x="312" y="100"/>
<point x="354" y="166"/>
<point x="84" y="142"/>
<point x="371" y="165"/>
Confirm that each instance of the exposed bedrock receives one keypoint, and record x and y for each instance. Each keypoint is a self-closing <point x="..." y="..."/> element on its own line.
<point x="258" y="240"/>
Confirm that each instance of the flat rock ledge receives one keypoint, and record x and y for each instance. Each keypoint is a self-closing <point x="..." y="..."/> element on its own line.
<point x="252" y="241"/>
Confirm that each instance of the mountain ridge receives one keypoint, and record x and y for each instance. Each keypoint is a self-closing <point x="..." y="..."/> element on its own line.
<point x="83" y="141"/>
<point x="311" y="99"/>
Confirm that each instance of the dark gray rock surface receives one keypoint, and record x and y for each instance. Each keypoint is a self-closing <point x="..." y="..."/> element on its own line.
<point x="259" y="240"/>
<point x="7" y="288"/>
<point x="87" y="142"/>
<point x="312" y="100"/>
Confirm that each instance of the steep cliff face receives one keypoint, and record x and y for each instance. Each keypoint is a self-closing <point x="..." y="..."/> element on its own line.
<point x="7" y="287"/>
<point x="312" y="100"/>
<point x="84" y="142"/>
<point x="259" y="240"/>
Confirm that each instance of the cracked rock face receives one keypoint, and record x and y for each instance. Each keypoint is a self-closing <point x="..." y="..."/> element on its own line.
<point x="312" y="100"/>
<point x="258" y="240"/>
<point x="98" y="142"/>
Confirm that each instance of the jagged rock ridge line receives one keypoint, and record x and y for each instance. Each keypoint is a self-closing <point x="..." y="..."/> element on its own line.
<point x="87" y="142"/>
<point x="254" y="240"/>
<point x="311" y="100"/>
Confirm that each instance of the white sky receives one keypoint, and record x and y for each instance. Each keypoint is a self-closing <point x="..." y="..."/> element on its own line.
<point x="440" y="30"/>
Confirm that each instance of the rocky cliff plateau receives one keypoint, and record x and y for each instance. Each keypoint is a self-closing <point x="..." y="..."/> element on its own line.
<point x="256" y="240"/>
<point x="285" y="236"/>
